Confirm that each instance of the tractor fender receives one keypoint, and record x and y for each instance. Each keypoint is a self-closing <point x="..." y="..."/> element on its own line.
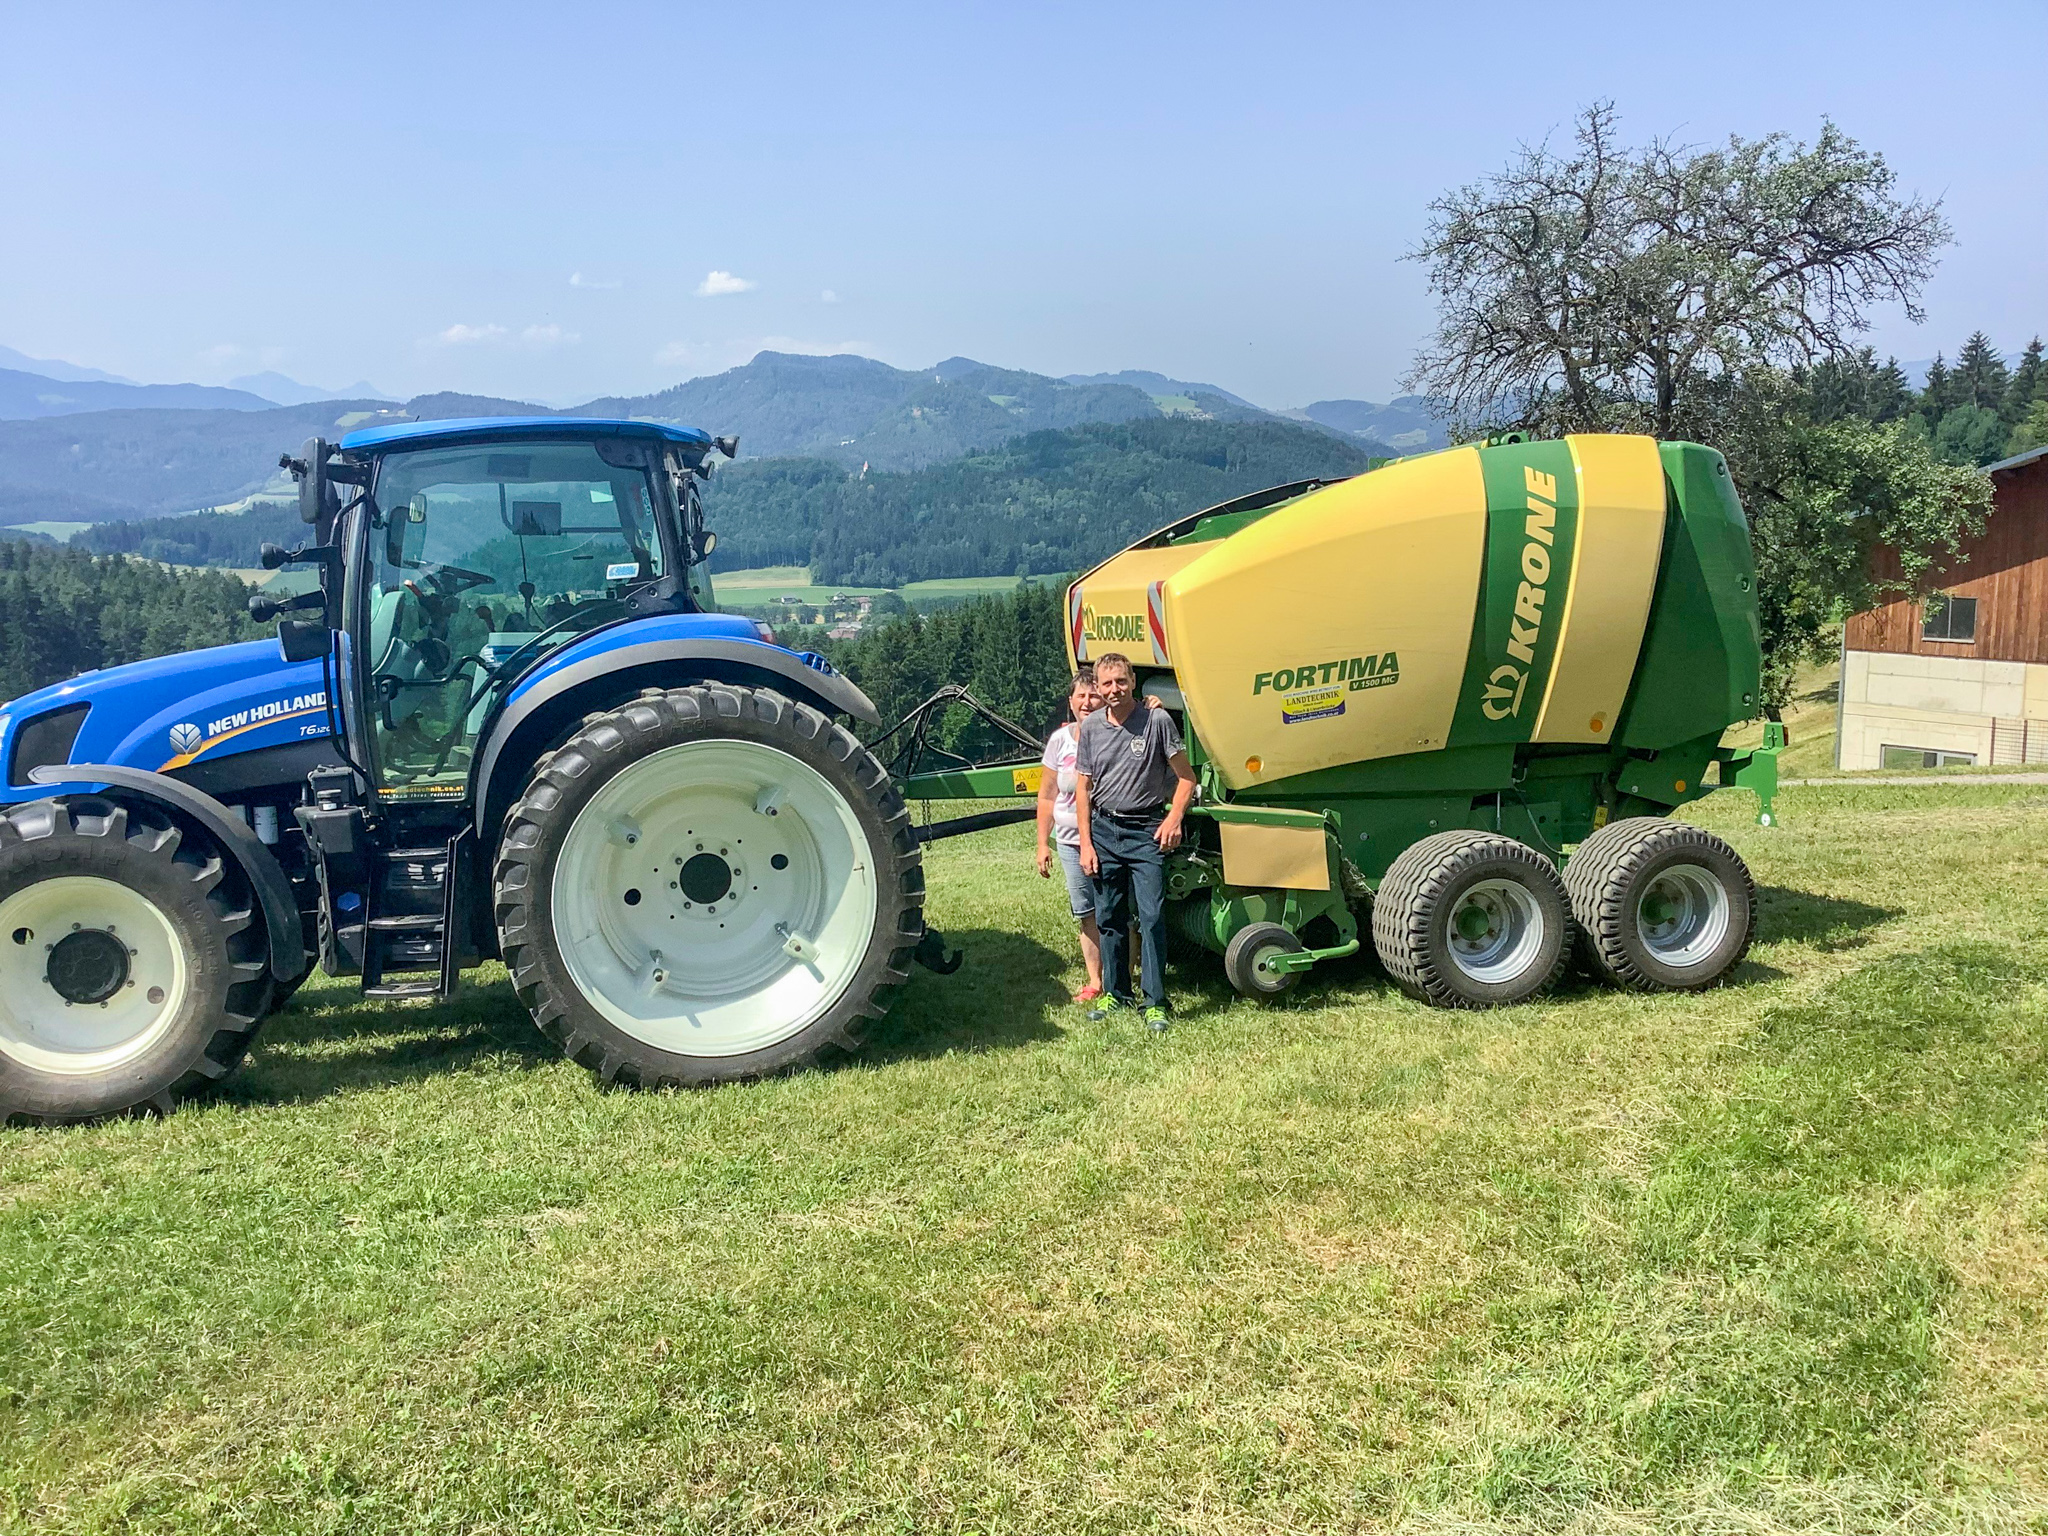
<point x="288" y="960"/>
<point x="532" y="719"/>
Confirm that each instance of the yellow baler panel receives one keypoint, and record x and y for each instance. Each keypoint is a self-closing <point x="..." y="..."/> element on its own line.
<point x="1336" y="629"/>
<point x="1614" y="571"/>
<point x="1114" y="607"/>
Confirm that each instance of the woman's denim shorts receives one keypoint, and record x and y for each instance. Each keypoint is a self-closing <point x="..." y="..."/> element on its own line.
<point x="1080" y="889"/>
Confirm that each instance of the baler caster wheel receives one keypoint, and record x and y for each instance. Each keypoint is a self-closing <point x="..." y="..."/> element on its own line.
<point x="1245" y="959"/>
<point x="1662" y="906"/>
<point x="1472" y="920"/>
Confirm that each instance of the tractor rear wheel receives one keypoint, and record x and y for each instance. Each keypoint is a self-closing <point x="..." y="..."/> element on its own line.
<point x="1662" y="906"/>
<point x="1472" y="920"/>
<point x="706" y="884"/>
<point x="133" y="967"/>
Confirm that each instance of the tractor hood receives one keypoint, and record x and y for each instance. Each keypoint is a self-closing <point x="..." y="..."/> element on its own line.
<point x="165" y="714"/>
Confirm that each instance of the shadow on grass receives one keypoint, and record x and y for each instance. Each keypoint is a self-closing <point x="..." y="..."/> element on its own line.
<point x="1004" y="995"/>
<point x="333" y="1040"/>
<point x="1826" y="923"/>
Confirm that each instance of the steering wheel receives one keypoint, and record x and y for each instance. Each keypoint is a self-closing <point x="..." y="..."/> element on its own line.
<point x="451" y="579"/>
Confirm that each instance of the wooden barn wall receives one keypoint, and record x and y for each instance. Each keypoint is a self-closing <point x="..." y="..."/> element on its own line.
<point x="2006" y="571"/>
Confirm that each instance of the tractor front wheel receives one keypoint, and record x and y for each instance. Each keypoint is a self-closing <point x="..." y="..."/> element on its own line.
<point x="133" y="968"/>
<point x="706" y="884"/>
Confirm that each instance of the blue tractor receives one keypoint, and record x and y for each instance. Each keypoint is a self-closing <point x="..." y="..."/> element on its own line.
<point x="502" y="718"/>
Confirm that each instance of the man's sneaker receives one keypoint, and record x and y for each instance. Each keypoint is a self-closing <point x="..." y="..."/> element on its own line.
<point x="1155" y="1020"/>
<point x="1110" y="1006"/>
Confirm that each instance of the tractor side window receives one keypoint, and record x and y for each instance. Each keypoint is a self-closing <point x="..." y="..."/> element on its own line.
<point x="483" y="560"/>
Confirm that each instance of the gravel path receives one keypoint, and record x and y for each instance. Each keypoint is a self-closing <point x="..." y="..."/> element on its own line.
<point x="1960" y="781"/>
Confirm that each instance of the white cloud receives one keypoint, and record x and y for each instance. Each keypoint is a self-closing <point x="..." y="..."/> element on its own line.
<point x="716" y="283"/>
<point x="469" y="335"/>
<point x="532" y="338"/>
<point x="578" y="280"/>
<point x="828" y="297"/>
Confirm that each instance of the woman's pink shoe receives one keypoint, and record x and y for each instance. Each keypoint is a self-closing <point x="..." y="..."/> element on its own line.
<point x="1088" y="994"/>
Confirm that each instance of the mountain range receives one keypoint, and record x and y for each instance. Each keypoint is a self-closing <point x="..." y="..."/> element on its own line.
<point x="102" y="450"/>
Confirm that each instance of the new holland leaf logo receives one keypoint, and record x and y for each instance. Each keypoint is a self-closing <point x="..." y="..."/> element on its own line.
<point x="185" y="738"/>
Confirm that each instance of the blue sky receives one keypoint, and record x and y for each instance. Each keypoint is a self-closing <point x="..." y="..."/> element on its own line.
<point x="528" y="199"/>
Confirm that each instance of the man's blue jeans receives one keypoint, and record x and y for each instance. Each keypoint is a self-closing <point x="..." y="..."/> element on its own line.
<point x="1131" y="869"/>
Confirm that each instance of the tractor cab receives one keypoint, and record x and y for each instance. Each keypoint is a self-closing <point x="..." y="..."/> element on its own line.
<point x="471" y="551"/>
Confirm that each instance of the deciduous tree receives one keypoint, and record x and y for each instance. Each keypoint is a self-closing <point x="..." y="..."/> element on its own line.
<point x="1691" y="293"/>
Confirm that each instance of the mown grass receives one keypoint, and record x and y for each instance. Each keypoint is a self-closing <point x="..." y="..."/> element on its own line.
<point x="1770" y="1258"/>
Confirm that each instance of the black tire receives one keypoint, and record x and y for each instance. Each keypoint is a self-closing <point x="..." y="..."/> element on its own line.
<point x="1429" y="885"/>
<point x="211" y="916"/>
<point x="1251" y="944"/>
<point x="566" y="780"/>
<point x="1708" y="896"/>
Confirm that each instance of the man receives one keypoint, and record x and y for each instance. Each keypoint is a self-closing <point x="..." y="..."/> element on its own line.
<point x="1128" y="763"/>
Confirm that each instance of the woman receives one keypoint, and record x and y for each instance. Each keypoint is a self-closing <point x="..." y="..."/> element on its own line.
<point x="1059" y="828"/>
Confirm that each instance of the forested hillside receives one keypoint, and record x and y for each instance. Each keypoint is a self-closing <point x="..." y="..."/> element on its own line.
<point x="1044" y="502"/>
<point x="64" y="611"/>
<point x="230" y="539"/>
<point x="1009" y="649"/>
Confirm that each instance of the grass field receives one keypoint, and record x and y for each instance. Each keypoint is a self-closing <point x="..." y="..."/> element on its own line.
<point x="1770" y="1258"/>
<point x="771" y="583"/>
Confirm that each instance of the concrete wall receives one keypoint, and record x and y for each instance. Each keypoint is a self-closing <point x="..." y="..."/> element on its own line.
<point x="1943" y="704"/>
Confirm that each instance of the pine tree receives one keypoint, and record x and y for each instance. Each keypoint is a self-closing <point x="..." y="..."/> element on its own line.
<point x="1891" y="396"/>
<point x="1936" y="394"/>
<point x="2029" y="383"/>
<point x="1980" y="375"/>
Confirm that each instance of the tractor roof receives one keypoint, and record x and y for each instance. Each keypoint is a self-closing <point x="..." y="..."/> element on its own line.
<point x="489" y="429"/>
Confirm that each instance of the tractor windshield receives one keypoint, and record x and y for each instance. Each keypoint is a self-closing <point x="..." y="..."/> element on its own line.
<point x="481" y="559"/>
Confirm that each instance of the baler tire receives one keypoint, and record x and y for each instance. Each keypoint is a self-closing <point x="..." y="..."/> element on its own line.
<point x="1247" y="947"/>
<point x="1422" y="891"/>
<point x="210" y="948"/>
<point x="1626" y="863"/>
<point x="608" y="744"/>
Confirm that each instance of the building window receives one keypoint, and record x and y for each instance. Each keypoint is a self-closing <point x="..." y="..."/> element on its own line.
<point x="1923" y="757"/>
<point x="1949" y="618"/>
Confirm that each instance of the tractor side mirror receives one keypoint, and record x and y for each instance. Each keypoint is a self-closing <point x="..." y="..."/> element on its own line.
<point x="317" y="497"/>
<point x="707" y="544"/>
<point x="300" y="641"/>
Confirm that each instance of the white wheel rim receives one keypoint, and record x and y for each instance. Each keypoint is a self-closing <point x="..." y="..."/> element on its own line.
<point x="39" y="1029"/>
<point x="1496" y="931"/>
<point x="1682" y="914"/>
<point x="775" y="950"/>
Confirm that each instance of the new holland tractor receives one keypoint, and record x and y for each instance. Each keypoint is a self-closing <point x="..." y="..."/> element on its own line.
<point x="500" y="719"/>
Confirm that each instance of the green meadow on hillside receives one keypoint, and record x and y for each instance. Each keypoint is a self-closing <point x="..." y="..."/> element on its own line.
<point x="1770" y="1258"/>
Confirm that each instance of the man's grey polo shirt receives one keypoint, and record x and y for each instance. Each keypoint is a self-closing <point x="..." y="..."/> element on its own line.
<point x="1127" y="765"/>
